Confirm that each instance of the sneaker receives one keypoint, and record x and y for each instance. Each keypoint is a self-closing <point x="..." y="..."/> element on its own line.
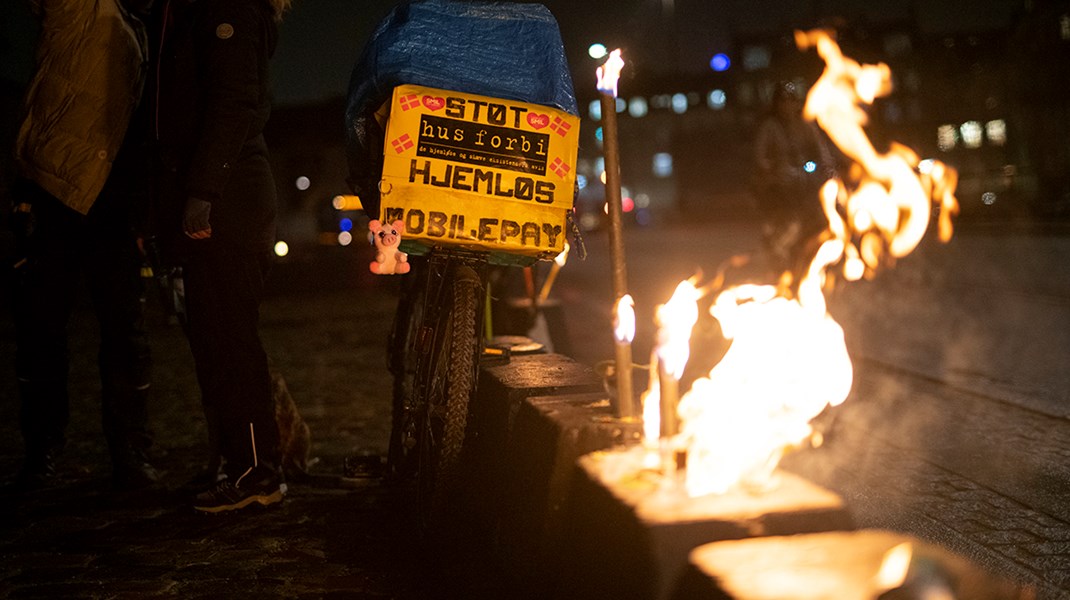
<point x="253" y="488"/>
<point x="39" y="471"/>
<point x="134" y="476"/>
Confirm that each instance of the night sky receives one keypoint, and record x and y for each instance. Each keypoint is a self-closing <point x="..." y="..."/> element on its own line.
<point x="321" y="39"/>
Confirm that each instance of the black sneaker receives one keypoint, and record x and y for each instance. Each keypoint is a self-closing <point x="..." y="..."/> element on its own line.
<point x="39" y="471"/>
<point x="255" y="487"/>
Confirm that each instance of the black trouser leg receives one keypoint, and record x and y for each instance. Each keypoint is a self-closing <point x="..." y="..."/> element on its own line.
<point x="223" y="292"/>
<point x="113" y="269"/>
<point x="44" y="289"/>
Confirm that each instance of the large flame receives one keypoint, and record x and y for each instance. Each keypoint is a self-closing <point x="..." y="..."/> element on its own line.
<point x="788" y="361"/>
<point x="885" y="203"/>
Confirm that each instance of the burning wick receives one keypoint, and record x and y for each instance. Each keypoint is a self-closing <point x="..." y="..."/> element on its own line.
<point x="608" y="74"/>
<point x="623" y="333"/>
<point x="672" y="348"/>
<point x="559" y="262"/>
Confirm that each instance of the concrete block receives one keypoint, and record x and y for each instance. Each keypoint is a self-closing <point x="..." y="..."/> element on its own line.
<point x="549" y="435"/>
<point x="503" y="388"/>
<point x="629" y="533"/>
<point x="834" y="565"/>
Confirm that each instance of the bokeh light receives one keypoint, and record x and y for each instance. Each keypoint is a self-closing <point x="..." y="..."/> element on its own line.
<point x="720" y="62"/>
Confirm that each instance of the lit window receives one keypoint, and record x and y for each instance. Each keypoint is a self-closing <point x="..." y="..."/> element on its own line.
<point x="897" y="44"/>
<point x="996" y="132"/>
<point x="599" y="134"/>
<point x="988" y="198"/>
<point x="600" y="165"/>
<point x="581" y="181"/>
<point x="971" y="134"/>
<point x="345" y="238"/>
<point x="755" y="57"/>
<point x="946" y="137"/>
<point x="302" y="183"/>
<point x="281" y="248"/>
<point x="716" y="99"/>
<point x="661" y="101"/>
<point x="663" y="164"/>
<point x="679" y="103"/>
<point x="637" y="107"/>
<point x="642" y="200"/>
<point x="926" y="165"/>
<point x="621" y="105"/>
<point x="597" y="51"/>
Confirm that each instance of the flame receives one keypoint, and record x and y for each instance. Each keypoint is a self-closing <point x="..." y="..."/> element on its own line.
<point x="788" y="360"/>
<point x="671" y="351"/>
<point x="885" y="204"/>
<point x="609" y="73"/>
<point x="624" y="319"/>
<point x="894" y="567"/>
<point x="675" y="320"/>
<point x="562" y="258"/>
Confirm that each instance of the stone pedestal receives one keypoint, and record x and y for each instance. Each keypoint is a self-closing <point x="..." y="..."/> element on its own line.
<point x="841" y="565"/>
<point x="629" y="531"/>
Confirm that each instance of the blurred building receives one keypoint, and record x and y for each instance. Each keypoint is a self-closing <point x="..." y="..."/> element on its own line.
<point x="994" y="104"/>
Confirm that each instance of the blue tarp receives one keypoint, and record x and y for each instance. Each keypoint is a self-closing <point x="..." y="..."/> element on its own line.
<point x="498" y="49"/>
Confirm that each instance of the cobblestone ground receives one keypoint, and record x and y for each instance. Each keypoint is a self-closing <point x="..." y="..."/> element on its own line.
<point x="331" y="538"/>
<point x="999" y="503"/>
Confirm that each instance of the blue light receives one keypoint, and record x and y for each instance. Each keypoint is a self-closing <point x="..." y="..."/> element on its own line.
<point x="345" y="224"/>
<point x="720" y="62"/>
<point x="598" y="134"/>
<point x="810" y="166"/>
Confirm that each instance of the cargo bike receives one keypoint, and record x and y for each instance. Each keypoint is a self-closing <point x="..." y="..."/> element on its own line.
<point x="472" y="157"/>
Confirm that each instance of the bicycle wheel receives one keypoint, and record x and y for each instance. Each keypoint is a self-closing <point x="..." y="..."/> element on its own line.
<point x="402" y="362"/>
<point x="448" y="377"/>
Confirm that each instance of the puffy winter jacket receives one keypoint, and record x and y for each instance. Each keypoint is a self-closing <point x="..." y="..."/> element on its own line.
<point x="91" y="65"/>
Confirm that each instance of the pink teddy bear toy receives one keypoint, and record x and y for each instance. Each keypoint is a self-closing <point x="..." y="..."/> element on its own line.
<point x="388" y="259"/>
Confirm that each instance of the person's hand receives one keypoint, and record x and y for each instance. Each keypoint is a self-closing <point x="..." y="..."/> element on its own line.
<point x="195" y="219"/>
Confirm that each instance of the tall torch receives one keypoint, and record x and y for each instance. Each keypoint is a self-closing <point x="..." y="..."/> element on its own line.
<point x="608" y="74"/>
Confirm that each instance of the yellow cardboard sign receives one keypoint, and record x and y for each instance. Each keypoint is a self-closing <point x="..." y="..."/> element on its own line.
<point x="479" y="172"/>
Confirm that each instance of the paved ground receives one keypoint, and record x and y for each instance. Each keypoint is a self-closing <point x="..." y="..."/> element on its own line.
<point x="81" y="540"/>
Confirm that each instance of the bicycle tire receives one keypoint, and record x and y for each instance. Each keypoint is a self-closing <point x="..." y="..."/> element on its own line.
<point x="449" y="381"/>
<point x="402" y="363"/>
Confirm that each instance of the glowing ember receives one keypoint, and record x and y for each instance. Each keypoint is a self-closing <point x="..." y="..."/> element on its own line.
<point x="788" y="361"/>
<point x="609" y="73"/>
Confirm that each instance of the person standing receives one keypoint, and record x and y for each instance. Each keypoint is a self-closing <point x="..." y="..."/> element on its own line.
<point x="792" y="163"/>
<point x="77" y="194"/>
<point x="217" y="221"/>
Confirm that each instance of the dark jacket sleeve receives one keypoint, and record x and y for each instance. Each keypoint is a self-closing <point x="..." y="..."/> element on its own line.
<point x="232" y="61"/>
